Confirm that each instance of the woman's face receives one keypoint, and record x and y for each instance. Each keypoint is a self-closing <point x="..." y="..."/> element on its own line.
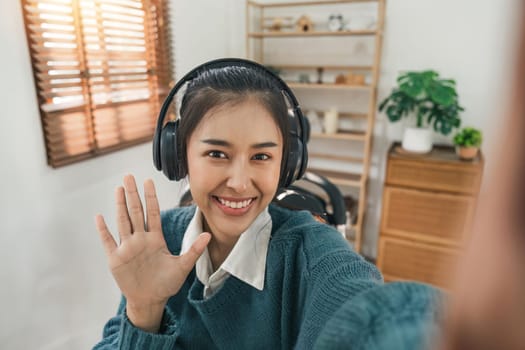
<point x="234" y="161"/>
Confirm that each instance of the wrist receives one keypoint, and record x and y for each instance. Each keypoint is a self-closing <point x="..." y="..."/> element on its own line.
<point x="145" y="317"/>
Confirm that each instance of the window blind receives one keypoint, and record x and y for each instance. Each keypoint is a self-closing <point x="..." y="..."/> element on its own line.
<point x="101" y="68"/>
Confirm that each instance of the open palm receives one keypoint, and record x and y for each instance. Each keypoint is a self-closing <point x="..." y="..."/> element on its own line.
<point x="143" y="267"/>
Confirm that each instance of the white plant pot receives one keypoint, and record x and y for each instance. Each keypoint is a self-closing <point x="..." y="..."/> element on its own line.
<point x="417" y="140"/>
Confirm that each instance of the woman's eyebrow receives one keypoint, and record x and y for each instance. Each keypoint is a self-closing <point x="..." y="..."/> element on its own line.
<point x="217" y="142"/>
<point x="264" y="144"/>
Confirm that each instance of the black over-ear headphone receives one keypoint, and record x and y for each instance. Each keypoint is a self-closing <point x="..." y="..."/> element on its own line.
<point x="166" y="155"/>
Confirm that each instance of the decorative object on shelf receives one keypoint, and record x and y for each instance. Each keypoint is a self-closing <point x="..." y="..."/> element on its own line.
<point x="320" y="75"/>
<point x="467" y="141"/>
<point x="340" y="79"/>
<point x="304" y="24"/>
<point x="335" y="22"/>
<point x="278" y="23"/>
<point x="316" y="126"/>
<point x="359" y="79"/>
<point x="331" y="121"/>
<point x="355" y="79"/>
<point x="432" y="100"/>
<point x="304" y="78"/>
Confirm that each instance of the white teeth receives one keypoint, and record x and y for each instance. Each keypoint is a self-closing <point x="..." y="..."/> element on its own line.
<point x="235" y="205"/>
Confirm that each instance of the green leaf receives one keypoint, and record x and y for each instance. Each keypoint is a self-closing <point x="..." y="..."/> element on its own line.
<point x="468" y="137"/>
<point x="383" y="104"/>
<point x="412" y="88"/>
<point x="440" y="94"/>
<point x="393" y="113"/>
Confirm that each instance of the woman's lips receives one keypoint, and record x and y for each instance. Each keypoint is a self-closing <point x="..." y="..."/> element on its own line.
<point x="234" y="206"/>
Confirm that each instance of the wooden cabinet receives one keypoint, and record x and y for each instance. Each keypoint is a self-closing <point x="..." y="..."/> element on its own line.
<point x="327" y="69"/>
<point x="428" y="205"/>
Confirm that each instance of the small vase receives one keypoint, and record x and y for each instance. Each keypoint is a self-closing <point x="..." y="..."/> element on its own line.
<point x="467" y="153"/>
<point x="331" y="121"/>
<point x="417" y="140"/>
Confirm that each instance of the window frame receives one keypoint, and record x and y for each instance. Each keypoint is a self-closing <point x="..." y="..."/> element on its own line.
<point x="130" y="122"/>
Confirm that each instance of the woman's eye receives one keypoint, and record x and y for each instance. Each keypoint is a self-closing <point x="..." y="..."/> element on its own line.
<point x="216" y="154"/>
<point x="261" y="156"/>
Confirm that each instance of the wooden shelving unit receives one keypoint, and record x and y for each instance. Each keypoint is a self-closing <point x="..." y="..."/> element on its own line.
<point x="258" y="35"/>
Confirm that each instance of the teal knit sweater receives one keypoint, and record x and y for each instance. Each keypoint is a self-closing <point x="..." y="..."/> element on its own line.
<point x="310" y="273"/>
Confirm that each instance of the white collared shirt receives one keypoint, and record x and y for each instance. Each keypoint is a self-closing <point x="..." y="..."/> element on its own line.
<point x="246" y="261"/>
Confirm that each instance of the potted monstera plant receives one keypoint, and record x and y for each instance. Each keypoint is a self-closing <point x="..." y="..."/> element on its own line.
<point x="431" y="100"/>
<point x="468" y="141"/>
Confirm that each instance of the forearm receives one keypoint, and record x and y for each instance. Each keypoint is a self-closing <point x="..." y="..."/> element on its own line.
<point x="121" y="333"/>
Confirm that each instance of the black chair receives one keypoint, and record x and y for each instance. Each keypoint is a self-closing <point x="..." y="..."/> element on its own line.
<point x="329" y="207"/>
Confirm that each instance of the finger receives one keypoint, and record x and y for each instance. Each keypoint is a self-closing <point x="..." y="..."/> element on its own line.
<point x="136" y="213"/>
<point x="152" y="207"/>
<point x="108" y="242"/>
<point x="123" y="222"/>
<point x="189" y="258"/>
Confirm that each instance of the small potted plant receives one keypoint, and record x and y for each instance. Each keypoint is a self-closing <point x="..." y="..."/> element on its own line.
<point x="467" y="141"/>
<point x="431" y="100"/>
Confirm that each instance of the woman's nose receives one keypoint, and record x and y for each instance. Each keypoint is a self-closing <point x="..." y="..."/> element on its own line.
<point x="239" y="177"/>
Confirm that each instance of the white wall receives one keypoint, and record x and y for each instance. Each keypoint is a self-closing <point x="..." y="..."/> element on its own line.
<point x="56" y="291"/>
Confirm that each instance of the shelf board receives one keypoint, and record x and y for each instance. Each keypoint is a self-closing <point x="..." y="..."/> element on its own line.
<point x="307" y="3"/>
<point x="343" y="114"/>
<point x="312" y="33"/>
<point x="325" y="67"/>
<point x="336" y="157"/>
<point x="328" y="86"/>
<point x="340" y="177"/>
<point x="342" y="135"/>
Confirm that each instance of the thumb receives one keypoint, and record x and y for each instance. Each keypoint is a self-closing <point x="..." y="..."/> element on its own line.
<point x="189" y="259"/>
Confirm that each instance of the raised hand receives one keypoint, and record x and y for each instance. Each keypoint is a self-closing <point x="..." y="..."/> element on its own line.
<point x="144" y="269"/>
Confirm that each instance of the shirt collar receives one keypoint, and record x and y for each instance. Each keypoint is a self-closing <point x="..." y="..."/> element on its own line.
<point x="246" y="261"/>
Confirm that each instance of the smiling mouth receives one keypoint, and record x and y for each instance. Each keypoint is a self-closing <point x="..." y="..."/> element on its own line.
<point x="241" y="204"/>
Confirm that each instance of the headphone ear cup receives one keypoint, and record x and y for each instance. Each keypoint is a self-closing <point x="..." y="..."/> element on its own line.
<point x="170" y="160"/>
<point x="297" y="157"/>
<point x="292" y="166"/>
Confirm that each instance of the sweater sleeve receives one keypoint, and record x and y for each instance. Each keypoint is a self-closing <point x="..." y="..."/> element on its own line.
<point x="119" y="333"/>
<point x="397" y="315"/>
<point x="332" y="281"/>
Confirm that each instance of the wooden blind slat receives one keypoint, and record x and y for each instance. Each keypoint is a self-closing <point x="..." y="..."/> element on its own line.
<point x="52" y="2"/>
<point x="104" y="54"/>
<point x="47" y="76"/>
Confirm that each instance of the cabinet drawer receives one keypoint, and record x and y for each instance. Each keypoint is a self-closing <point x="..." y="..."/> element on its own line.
<point x="427" y="216"/>
<point x="400" y="259"/>
<point x="460" y="178"/>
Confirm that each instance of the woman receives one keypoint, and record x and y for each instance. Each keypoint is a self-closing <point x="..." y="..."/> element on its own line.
<point x="234" y="271"/>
